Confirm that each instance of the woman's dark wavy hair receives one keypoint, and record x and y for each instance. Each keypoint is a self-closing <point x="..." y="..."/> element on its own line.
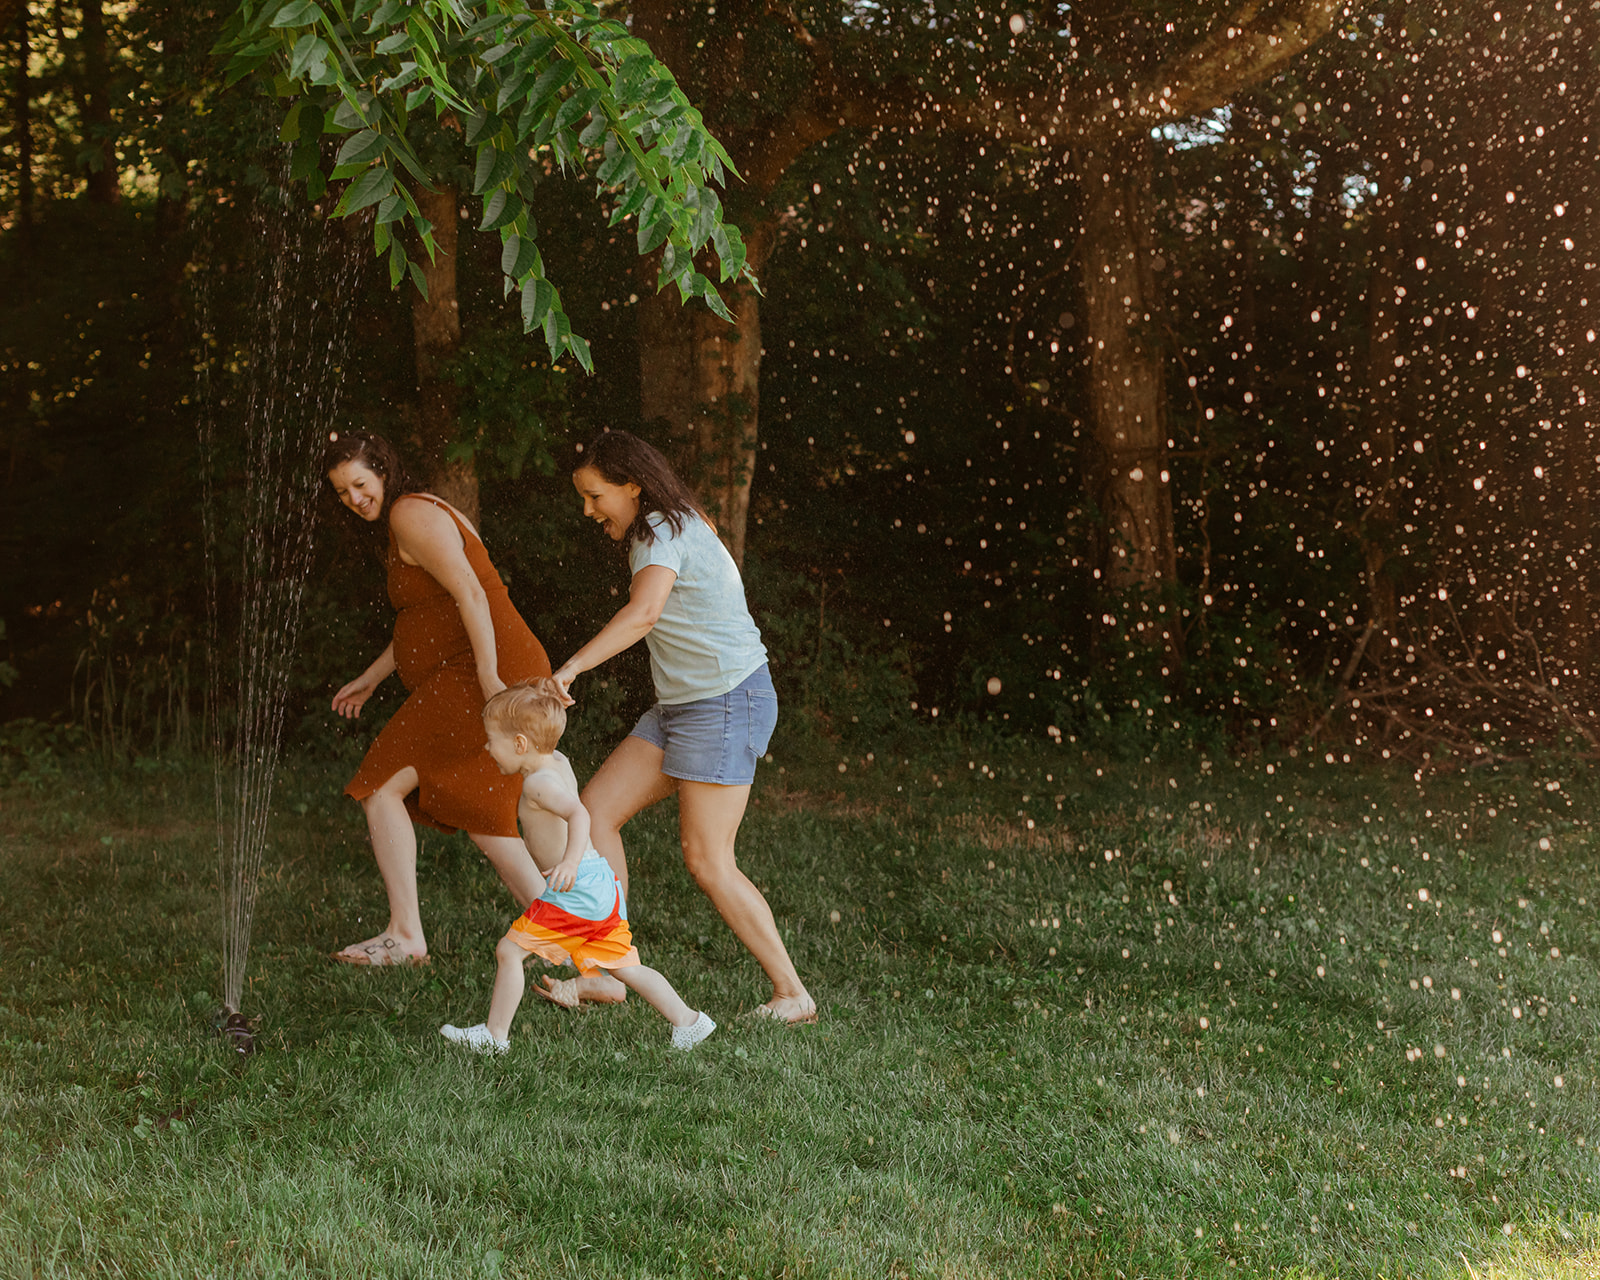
<point x="622" y="458"/>
<point x="379" y="456"/>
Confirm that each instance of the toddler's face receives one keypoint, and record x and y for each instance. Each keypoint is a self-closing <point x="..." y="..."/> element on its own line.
<point x="502" y="749"/>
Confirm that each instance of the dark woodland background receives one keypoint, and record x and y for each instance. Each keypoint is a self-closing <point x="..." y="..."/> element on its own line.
<point x="1267" y="422"/>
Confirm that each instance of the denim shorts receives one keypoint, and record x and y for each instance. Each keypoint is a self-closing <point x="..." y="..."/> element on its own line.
<point x="715" y="739"/>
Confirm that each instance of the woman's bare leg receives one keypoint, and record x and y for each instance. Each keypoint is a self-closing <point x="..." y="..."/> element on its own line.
<point x="394" y="845"/>
<point x="510" y="858"/>
<point x="628" y="781"/>
<point x="708" y="822"/>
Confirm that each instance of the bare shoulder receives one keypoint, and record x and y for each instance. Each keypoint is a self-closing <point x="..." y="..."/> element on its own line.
<point x="413" y="514"/>
<point x="553" y="787"/>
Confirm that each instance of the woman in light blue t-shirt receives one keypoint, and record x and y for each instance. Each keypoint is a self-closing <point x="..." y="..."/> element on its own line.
<point x="715" y="707"/>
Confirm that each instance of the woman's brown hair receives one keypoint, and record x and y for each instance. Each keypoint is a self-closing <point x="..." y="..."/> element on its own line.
<point x="622" y="458"/>
<point x="378" y="456"/>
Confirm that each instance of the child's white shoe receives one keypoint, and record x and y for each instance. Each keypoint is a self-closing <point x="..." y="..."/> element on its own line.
<point x="687" y="1037"/>
<point x="479" y="1038"/>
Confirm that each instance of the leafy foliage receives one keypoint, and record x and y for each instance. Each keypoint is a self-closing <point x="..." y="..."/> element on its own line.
<point x="525" y="85"/>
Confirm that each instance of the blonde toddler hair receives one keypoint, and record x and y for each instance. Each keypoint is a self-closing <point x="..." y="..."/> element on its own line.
<point x="532" y="707"/>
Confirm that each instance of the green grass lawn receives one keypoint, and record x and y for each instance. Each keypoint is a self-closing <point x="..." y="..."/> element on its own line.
<point x="1078" y="1019"/>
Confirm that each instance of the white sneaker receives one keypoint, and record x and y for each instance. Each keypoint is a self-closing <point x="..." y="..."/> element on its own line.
<point x="687" y="1037"/>
<point x="478" y="1038"/>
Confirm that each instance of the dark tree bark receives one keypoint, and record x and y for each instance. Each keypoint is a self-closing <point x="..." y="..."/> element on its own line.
<point x="701" y="377"/>
<point x="1127" y="367"/>
<point x="436" y="333"/>
<point x="1128" y="478"/>
<point x="101" y="176"/>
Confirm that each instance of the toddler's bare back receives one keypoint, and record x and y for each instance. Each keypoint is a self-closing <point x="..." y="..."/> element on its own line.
<point x="543" y="832"/>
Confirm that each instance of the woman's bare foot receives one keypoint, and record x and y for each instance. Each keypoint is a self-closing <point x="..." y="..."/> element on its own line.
<point x="558" y="991"/>
<point x="381" y="952"/>
<point x="790" y="1010"/>
<point x="601" y="988"/>
<point x="594" y="988"/>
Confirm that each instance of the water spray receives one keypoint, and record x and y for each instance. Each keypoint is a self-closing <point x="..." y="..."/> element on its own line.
<point x="278" y="419"/>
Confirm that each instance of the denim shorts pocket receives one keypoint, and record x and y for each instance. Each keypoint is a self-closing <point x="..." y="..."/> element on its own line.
<point x="762" y="706"/>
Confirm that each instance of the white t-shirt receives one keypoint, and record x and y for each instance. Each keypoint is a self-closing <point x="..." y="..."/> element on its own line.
<point x="705" y="642"/>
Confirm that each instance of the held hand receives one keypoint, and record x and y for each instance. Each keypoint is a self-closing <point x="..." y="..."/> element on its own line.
<point x="563" y="678"/>
<point x="563" y="876"/>
<point x="350" y="699"/>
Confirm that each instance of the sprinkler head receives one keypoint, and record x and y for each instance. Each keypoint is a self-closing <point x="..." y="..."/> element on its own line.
<point x="238" y="1030"/>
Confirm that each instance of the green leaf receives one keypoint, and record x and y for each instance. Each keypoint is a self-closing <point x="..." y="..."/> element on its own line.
<point x="493" y="168"/>
<point x="361" y="147"/>
<point x="518" y="255"/>
<point x="298" y="13"/>
<point x="637" y="198"/>
<point x="599" y="122"/>
<point x="393" y="209"/>
<point x="511" y="90"/>
<point x="369" y="188"/>
<point x="631" y="78"/>
<point x="399" y="42"/>
<point x="304" y="162"/>
<point x="348" y="116"/>
<point x="617" y="170"/>
<point x="653" y="234"/>
<point x="409" y="71"/>
<point x="385" y="17"/>
<point x="418" y="279"/>
<point x="551" y="79"/>
<point x="481" y="127"/>
<point x="500" y="208"/>
<point x="492" y="23"/>
<point x="316" y="184"/>
<point x="308" y="48"/>
<point x="580" y="349"/>
<point x="289" y="131"/>
<point x="537" y="295"/>
<point x="397" y="262"/>
<point x="576" y="107"/>
<point x="557" y="329"/>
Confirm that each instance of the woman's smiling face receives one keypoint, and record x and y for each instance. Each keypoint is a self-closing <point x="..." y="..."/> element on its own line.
<point x="359" y="487"/>
<point x="614" y="506"/>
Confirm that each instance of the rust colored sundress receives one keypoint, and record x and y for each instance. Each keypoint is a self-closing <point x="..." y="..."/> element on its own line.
<point x="439" y="728"/>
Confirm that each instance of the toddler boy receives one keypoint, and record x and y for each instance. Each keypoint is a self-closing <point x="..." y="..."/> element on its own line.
<point x="580" y="917"/>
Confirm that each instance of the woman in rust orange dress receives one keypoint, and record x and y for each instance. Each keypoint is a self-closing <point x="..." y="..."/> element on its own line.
<point x="458" y="640"/>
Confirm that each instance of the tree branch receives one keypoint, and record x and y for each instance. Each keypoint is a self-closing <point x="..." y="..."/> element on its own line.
<point x="1245" y="50"/>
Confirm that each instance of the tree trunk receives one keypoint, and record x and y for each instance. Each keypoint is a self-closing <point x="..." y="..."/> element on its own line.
<point x="1128" y="477"/>
<point x="99" y="133"/>
<point x="700" y="378"/>
<point x="22" y="128"/>
<point x="436" y="331"/>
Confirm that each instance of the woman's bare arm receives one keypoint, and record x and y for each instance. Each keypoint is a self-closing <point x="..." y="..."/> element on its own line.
<point x="647" y="596"/>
